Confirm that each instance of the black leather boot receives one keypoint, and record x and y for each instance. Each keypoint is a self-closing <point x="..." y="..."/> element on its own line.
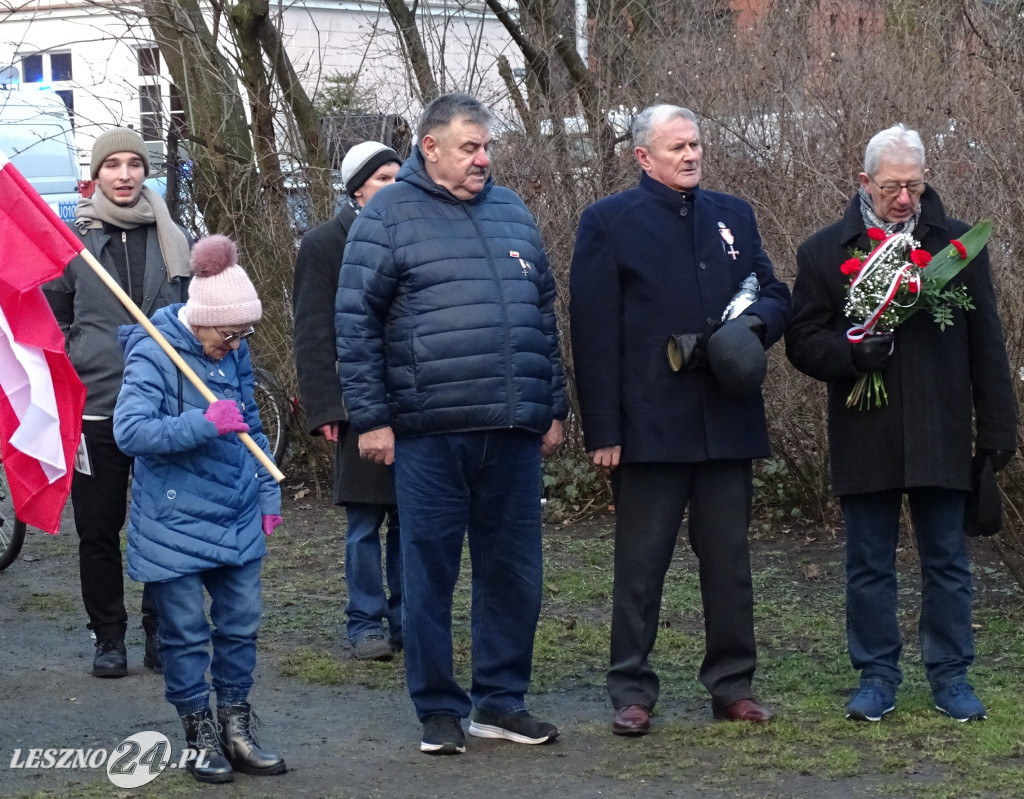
<point x="202" y="733"/>
<point x="238" y="735"/>
<point x="150" y="623"/>
<point x="111" y="658"/>
<point x="151" y="659"/>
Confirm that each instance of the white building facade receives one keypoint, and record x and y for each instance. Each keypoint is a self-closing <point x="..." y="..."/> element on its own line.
<point x="102" y="60"/>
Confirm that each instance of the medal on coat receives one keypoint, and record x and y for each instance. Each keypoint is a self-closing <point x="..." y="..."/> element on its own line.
<point x="525" y="265"/>
<point x="728" y="238"/>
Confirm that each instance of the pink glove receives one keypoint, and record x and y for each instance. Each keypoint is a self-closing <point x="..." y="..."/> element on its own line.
<point x="226" y="417"/>
<point x="270" y="522"/>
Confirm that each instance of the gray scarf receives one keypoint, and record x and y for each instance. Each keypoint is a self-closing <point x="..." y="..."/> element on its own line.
<point x="871" y="219"/>
<point x="148" y="210"/>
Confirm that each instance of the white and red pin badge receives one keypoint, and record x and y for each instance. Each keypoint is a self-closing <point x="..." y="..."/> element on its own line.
<point x="728" y="238"/>
<point x="524" y="264"/>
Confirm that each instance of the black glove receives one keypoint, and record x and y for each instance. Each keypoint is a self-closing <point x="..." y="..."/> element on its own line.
<point x="690" y="350"/>
<point x="755" y="324"/>
<point x="871" y="353"/>
<point x="687" y="351"/>
<point x="998" y="458"/>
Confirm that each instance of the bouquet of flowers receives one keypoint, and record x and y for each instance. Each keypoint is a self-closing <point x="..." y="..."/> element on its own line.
<point x="893" y="282"/>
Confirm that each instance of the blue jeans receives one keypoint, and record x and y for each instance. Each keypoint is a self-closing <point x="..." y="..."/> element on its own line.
<point x="368" y="603"/>
<point x="486" y="483"/>
<point x="185" y="635"/>
<point x="873" y="633"/>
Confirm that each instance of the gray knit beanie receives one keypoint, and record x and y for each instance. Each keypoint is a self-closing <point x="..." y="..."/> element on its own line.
<point x="117" y="140"/>
<point x="362" y="160"/>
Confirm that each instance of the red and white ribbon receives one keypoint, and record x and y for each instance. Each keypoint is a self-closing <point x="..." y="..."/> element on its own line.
<point x="873" y="262"/>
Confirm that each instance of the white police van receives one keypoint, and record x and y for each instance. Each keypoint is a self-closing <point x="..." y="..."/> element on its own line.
<point x="36" y="136"/>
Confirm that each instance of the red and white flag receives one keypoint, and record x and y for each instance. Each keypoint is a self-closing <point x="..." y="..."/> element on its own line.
<point x="41" y="396"/>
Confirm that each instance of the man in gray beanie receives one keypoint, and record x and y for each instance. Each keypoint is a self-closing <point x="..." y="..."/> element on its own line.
<point x="366" y="489"/>
<point x="128" y="228"/>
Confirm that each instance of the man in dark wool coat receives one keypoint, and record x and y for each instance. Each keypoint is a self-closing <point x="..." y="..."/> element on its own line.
<point x="917" y="444"/>
<point x="665" y="259"/>
<point x="367" y="490"/>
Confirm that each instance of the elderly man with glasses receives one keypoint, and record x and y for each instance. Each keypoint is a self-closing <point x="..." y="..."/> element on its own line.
<point x="919" y="443"/>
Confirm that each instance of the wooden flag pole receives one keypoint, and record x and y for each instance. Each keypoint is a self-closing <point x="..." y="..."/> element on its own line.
<point x="172" y="353"/>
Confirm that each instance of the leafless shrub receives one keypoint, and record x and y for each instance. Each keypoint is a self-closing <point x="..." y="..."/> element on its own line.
<point x="786" y="108"/>
<point x="787" y="102"/>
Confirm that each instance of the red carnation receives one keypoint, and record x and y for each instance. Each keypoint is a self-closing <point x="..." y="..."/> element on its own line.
<point x="920" y="258"/>
<point x="876" y="233"/>
<point x="960" y="248"/>
<point x="912" y="286"/>
<point x="850" y="266"/>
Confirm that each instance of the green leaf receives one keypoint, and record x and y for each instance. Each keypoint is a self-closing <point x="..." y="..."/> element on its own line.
<point x="947" y="264"/>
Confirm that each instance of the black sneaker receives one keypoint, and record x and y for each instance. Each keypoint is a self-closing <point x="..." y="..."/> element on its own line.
<point x="520" y="727"/>
<point x="443" y="735"/>
<point x="111" y="659"/>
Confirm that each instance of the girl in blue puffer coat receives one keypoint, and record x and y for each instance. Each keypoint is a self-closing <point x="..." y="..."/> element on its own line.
<point x="201" y="505"/>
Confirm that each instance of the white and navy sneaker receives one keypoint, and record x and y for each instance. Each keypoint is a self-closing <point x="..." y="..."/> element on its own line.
<point x="520" y="727"/>
<point x="443" y="735"/>
<point x="959" y="702"/>
<point x="871" y="703"/>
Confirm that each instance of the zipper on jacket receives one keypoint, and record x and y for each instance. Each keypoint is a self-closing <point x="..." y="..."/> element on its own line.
<point x="504" y="315"/>
<point x="127" y="260"/>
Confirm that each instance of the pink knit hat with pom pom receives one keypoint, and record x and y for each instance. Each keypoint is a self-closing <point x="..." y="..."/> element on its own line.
<point x="220" y="293"/>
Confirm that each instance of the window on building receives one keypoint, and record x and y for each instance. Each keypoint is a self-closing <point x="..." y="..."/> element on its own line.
<point x="149" y="113"/>
<point x="149" y="62"/>
<point x="160" y="106"/>
<point x="178" y="124"/>
<point x="32" y="68"/>
<point x="54" y="69"/>
<point x="60" y="66"/>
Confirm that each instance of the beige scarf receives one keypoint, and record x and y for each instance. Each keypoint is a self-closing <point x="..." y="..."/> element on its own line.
<point x="149" y="209"/>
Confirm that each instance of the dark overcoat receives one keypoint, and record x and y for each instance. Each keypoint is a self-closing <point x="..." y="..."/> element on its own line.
<point x="316" y="282"/>
<point x="641" y="271"/>
<point x="937" y="380"/>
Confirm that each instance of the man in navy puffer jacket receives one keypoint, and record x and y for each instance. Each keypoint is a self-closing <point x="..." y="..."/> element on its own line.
<point x="451" y="368"/>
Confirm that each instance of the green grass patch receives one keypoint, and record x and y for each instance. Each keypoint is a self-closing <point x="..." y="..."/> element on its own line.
<point x="50" y="606"/>
<point x="803" y="669"/>
<point x="322" y="667"/>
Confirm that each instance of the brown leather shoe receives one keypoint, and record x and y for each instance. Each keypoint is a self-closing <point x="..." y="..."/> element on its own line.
<point x="743" y="710"/>
<point x="632" y="720"/>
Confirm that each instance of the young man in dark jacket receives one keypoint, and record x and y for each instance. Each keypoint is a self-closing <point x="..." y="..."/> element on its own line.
<point x="665" y="259"/>
<point x="919" y="442"/>
<point x="366" y="489"/>
<point x="451" y="369"/>
<point x="127" y="227"/>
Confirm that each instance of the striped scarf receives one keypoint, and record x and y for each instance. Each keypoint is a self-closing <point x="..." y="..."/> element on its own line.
<point x="871" y="219"/>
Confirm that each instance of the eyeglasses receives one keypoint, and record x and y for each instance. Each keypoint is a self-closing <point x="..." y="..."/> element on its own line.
<point x="915" y="188"/>
<point x="235" y="335"/>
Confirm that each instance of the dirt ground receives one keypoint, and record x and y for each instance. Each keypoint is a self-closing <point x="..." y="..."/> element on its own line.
<point x="339" y="742"/>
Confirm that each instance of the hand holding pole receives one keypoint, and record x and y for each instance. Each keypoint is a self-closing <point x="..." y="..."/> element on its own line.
<point x="186" y="370"/>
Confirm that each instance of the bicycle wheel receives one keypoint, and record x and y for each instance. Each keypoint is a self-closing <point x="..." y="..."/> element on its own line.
<point x="275" y="411"/>
<point x="12" y="530"/>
